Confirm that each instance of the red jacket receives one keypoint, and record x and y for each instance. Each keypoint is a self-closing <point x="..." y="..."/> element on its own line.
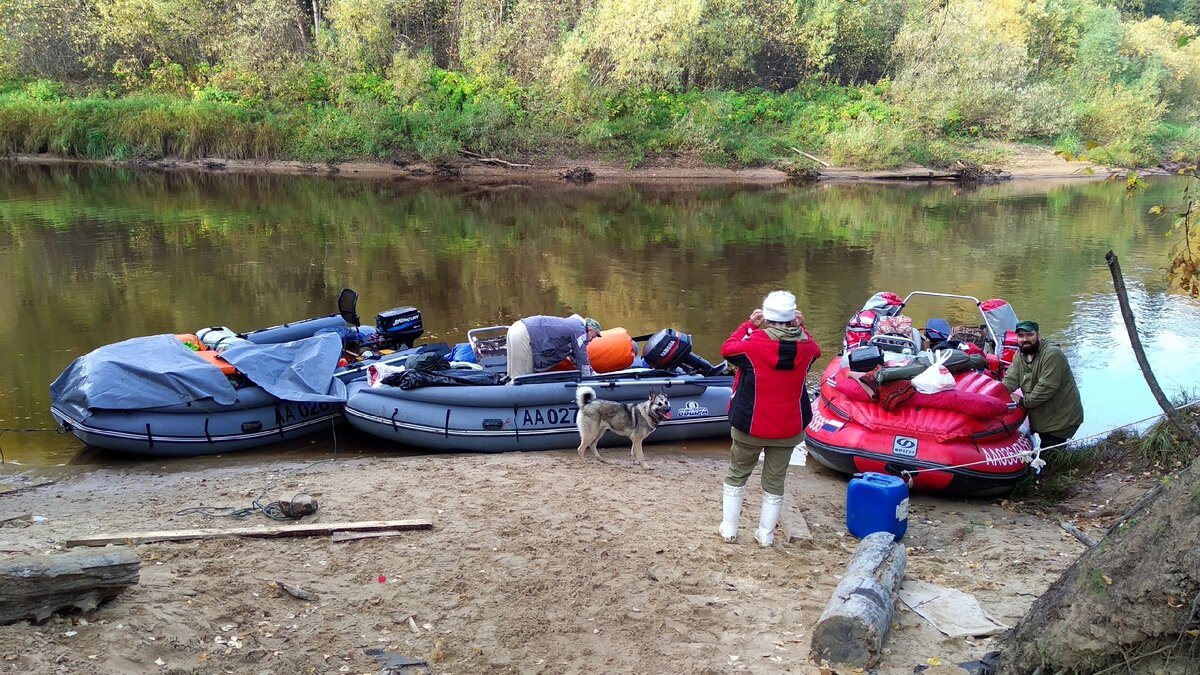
<point x="769" y="398"/>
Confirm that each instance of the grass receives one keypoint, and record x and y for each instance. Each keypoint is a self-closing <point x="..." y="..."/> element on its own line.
<point x="439" y="117"/>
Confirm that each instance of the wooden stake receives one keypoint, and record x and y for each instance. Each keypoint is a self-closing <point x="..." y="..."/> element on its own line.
<point x="857" y="619"/>
<point x="305" y="530"/>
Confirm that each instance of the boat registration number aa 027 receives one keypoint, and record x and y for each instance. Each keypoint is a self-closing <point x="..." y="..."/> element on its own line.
<point x="540" y="417"/>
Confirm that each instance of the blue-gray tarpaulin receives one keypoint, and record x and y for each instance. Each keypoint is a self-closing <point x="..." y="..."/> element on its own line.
<point x="157" y="371"/>
<point x="293" y="371"/>
<point x="144" y="372"/>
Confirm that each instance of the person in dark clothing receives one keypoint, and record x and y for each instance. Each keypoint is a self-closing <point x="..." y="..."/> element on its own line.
<point x="769" y="409"/>
<point x="1049" y="394"/>
<point x="538" y="343"/>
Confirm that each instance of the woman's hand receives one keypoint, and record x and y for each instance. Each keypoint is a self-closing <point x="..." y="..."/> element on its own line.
<point x="756" y="318"/>
<point x="798" y="322"/>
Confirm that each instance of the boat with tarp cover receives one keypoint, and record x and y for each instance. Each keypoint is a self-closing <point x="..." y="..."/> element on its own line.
<point x="968" y="440"/>
<point x="218" y="390"/>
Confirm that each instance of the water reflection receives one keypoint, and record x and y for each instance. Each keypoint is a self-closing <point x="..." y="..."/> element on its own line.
<point x="92" y="255"/>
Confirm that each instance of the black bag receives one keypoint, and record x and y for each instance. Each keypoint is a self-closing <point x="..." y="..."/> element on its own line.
<point x="864" y="359"/>
<point x="426" y="362"/>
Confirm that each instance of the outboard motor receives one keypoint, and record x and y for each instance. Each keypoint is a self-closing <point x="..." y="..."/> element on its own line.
<point x="669" y="349"/>
<point x="399" y="326"/>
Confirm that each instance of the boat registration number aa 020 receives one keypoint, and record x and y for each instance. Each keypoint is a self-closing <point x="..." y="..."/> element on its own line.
<point x="293" y="412"/>
<point x="540" y="417"/>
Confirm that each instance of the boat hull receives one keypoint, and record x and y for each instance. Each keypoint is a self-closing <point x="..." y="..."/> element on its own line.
<point x="529" y="416"/>
<point x="928" y="447"/>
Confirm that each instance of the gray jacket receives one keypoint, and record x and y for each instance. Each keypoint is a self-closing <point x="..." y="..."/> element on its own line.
<point x="553" y="338"/>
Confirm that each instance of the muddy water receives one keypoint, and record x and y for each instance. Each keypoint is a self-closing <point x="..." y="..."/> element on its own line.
<point x="90" y="256"/>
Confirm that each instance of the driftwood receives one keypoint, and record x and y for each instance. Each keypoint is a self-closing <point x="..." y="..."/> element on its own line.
<point x="296" y="592"/>
<point x="36" y="586"/>
<point x="855" y="623"/>
<point x="1079" y="534"/>
<point x="305" y="530"/>
<point x="493" y="160"/>
<point x="1190" y="434"/>
<point x="30" y="486"/>
<point x="815" y="159"/>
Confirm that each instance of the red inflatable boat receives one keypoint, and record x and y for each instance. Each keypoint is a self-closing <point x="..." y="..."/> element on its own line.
<point x="966" y="440"/>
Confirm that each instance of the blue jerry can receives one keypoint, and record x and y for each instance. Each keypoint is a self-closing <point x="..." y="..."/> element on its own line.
<point x="876" y="502"/>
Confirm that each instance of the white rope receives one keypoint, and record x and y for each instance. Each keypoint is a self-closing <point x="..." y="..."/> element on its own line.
<point x="1034" y="457"/>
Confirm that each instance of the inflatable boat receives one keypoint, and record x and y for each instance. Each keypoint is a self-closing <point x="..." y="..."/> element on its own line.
<point x="967" y="440"/>
<point x="538" y="412"/>
<point x="218" y="391"/>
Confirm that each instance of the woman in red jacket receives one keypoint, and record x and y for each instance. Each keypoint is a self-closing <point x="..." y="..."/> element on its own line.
<point x="769" y="409"/>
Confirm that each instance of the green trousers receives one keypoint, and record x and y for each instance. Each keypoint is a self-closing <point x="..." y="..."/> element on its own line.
<point x="743" y="456"/>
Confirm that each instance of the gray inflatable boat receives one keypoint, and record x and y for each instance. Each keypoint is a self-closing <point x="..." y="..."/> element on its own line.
<point x="536" y="412"/>
<point x="229" y="391"/>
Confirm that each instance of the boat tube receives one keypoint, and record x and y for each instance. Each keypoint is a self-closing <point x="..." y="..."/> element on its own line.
<point x="535" y="412"/>
<point x="168" y="395"/>
<point x="970" y="440"/>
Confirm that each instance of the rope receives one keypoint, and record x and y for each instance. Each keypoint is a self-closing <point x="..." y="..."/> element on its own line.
<point x="1034" y="457"/>
<point x="29" y="430"/>
<point x="272" y="510"/>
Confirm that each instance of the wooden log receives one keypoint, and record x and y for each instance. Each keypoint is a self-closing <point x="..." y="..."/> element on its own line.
<point x="36" y="586"/>
<point x="855" y="623"/>
<point x="1078" y="533"/>
<point x="300" y="530"/>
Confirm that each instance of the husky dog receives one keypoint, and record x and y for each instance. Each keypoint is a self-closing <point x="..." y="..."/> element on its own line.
<point x="634" y="422"/>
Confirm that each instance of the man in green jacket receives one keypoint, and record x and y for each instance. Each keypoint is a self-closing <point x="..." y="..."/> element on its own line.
<point x="1049" y="394"/>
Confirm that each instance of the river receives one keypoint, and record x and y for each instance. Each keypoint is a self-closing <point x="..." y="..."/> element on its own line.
<point x="92" y="255"/>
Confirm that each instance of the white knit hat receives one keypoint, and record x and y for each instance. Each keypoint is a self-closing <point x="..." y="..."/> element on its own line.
<point x="779" y="306"/>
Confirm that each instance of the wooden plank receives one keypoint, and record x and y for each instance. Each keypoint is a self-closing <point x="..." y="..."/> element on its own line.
<point x="298" y="530"/>
<point x="36" y="586"/>
<point x="795" y="528"/>
<point x="856" y="621"/>
<point x="8" y="518"/>
<point x="341" y="537"/>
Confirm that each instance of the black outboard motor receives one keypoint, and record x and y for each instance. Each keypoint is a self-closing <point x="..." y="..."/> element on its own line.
<point x="669" y="349"/>
<point x="399" y="326"/>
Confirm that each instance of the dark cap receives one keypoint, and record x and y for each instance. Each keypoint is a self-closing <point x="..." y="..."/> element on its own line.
<point x="1027" y="327"/>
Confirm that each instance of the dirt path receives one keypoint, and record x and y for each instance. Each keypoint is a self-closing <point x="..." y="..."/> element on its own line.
<point x="537" y="563"/>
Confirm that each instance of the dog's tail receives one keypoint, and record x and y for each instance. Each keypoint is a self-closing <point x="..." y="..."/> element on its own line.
<point x="584" y="396"/>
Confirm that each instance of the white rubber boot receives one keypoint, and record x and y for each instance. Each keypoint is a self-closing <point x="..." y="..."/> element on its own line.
<point x="731" y="500"/>
<point x="771" y="506"/>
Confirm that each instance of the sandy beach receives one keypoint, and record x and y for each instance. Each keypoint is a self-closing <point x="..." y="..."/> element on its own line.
<point x="536" y="563"/>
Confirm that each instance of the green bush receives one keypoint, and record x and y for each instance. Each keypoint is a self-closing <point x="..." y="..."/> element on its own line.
<point x="871" y="144"/>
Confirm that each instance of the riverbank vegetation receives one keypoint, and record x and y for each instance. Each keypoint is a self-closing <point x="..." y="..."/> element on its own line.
<point x="872" y="83"/>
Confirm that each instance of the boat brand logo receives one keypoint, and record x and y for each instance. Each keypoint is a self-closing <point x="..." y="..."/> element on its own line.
<point x="821" y="423"/>
<point x="691" y="409"/>
<point x="904" y="446"/>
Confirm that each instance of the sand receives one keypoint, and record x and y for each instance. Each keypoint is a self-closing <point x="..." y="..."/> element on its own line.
<point x="1020" y="162"/>
<point x="537" y="563"/>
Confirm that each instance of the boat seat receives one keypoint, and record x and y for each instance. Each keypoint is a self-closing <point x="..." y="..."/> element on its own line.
<point x="937" y="330"/>
<point x="215" y="359"/>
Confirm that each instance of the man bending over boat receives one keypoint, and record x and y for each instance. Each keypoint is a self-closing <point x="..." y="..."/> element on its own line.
<point x="538" y="343"/>
<point x="769" y="408"/>
<point x="1049" y="395"/>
